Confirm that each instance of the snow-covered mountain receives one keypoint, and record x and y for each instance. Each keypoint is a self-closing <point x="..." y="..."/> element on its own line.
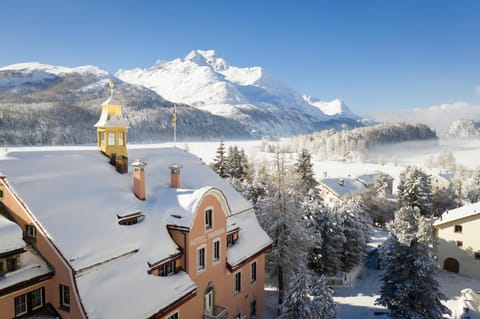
<point x="250" y="95"/>
<point x="336" y="108"/>
<point x="45" y="104"/>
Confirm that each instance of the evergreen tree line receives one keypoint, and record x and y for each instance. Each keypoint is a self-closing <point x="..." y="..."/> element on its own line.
<point x="333" y="144"/>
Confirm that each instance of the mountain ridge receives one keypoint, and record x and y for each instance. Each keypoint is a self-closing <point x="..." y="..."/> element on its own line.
<point x="48" y="104"/>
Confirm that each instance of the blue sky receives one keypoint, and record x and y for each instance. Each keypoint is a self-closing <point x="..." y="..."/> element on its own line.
<point x="373" y="54"/>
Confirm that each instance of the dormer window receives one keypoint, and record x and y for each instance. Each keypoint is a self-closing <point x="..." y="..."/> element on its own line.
<point x="209" y="219"/>
<point x="167" y="269"/>
<point x="130" y="219"/>
<point x="232" y="237"/>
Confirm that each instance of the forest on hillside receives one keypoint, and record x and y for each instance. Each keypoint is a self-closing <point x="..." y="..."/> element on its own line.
<point x="333" y="144"/>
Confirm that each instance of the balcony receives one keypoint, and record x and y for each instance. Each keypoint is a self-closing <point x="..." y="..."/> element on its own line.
<point x="219" y="312"/>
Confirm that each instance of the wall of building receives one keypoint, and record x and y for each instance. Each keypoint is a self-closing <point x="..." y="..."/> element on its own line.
<point x="216" y="274"/>
<point x="63" y="273"/>
<point x="470" y="238"/>
<point x="7" y="302"/>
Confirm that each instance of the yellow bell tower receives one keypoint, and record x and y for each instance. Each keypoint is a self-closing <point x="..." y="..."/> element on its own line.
<point x="112" y="129"/>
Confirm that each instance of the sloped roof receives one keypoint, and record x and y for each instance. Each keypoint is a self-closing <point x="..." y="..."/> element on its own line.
<point x="76" y="196"/>
<point x="11" y="236"/>
<point x="350" y="186"/>
<point x="458" y="213"/>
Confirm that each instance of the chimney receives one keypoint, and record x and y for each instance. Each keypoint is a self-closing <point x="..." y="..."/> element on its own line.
<point x="341" y="182"/>
<point x="175" y="176"/>
<point x="139" y="179"/>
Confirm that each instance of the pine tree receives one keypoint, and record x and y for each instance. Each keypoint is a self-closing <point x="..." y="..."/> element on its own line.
<point x="219" y="163"/>
<point x="409" y="287"/>
<point x="308" y="297"/>
<point x="280" y="214"/>
<point x="236" y="163"/>
<point x="304" y="172"/>
<point x="356" y="229"/>
<point x="325" y="257"/>
<point x="415" y="190"/>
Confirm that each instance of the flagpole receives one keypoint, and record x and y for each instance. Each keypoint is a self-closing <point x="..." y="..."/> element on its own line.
<point x="175" y="126"/>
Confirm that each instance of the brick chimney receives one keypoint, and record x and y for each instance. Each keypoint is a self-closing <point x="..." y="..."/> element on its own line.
<point x="139" y="179"/>
<point x="175" y="176"/>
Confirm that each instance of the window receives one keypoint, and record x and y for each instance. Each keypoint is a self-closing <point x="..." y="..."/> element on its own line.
<point x="232" y="237"/>
<point x="458" y="228"/>
<point x="102" y="139"/>
<point x="167" y="269"/>
<point x="253" y="271"/>
<point x="253" y="309"/>
<point x="2" y="268"/>
<point x="36" y="298"/>
<point x="13" y="263"/>
<point x="130" y="219"/>
<point x="1" y="194"/>
<point x="477" y="255"/>
<point x="111" y="139"/>
<point x="229" y="240"/>
<point x="237" y="286"/>
<point x="173" y="316"/>
<point x="201" y="259"/>
<point x="216" y="251"/>
<point x="459" y="243"/>
<point x="31" y="231"/>
<point x="64" y="296"/>
<point x="20" y="305"/>
<point x="208" y="219"/>
<point x="120" y="139"/>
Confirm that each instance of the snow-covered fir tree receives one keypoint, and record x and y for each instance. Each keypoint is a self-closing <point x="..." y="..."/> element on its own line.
<point x="236" y="163"/>
<point x="355" y="223"/>
<point x="280" y="214"/>
<point x="409" y="288"/>
<point x="304" y="172"/>
<point x="415" y="190"/>
<point x="218" y="164"/>
<point x="308" y="296"/>
<point x="443" y="199"/>
<point x="473" y="192"/>
<point x="325" y="255"/>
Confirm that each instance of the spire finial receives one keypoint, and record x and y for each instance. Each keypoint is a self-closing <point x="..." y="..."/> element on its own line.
<point x="111" y="88"/>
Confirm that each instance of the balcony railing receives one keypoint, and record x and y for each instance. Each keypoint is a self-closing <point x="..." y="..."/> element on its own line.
<point x="219" y="312"/>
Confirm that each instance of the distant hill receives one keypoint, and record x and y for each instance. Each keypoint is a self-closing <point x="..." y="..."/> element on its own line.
<point x="332" y="144"/>
<point x="464" y="129"/>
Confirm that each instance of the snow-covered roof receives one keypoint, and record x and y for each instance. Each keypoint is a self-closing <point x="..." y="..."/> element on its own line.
<point x="11" y="236"/>
<point x="458" y="213"/>
<point x="251" y="238"/>
<point x="31" y="266"/>
<point x="368" y="178"/>
<point x="76" y="196"/>
<point x="343" y="186"/>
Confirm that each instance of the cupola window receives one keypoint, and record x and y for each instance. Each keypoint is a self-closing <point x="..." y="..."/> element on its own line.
<point x="111" y="139"/>
<point x="130" y="219"/>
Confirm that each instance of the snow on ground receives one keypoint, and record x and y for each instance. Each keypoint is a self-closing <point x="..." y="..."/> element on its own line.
<point x="358" y="301"/>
